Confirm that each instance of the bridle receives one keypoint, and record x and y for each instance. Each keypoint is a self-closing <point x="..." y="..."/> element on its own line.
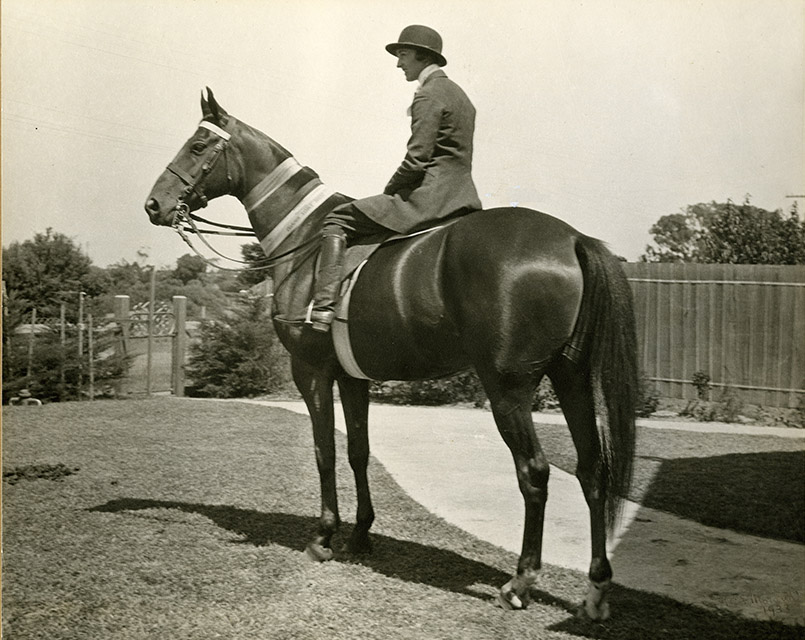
<point x="184" y="221"/>
<point x="191" y="182"/>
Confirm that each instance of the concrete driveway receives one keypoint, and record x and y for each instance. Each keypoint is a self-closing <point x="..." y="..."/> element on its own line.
<point x="452" y="461"/>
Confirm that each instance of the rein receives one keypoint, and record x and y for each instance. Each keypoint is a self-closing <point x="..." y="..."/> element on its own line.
<point x="182" y="216"/>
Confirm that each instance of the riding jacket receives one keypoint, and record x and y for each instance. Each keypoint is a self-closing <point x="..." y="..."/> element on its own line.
<point x="434" y="180"/>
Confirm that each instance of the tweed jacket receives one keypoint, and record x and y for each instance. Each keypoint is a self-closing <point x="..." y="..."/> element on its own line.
<point x="434" y="180"/>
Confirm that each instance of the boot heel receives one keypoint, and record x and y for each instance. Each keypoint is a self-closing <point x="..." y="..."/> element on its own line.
<point x="320" y="320"/>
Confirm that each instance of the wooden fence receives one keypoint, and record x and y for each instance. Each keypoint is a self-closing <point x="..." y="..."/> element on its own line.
<point x="154" y="337"/>
<point x="742" y="325"/>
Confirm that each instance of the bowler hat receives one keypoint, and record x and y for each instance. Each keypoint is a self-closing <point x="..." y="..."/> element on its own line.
<point x="418" y="37"/>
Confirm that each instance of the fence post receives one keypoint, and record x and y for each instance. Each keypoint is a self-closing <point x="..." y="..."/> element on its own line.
<point x="31" y="345"/>
<point x="63" y="345"/>
<point x="150" y="348"/>
<point x="81" y="295"/>
<point x="91" y="355"/>
<point x="123" y="319"/>
<point x="179" y="344"/>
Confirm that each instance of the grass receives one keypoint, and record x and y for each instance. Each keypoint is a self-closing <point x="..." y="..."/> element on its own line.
<point x="188" y="519"/>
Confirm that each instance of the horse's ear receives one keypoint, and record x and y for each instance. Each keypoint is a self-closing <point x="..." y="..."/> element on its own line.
<point x="205" y="106"/>
<point x="211" y="109"/>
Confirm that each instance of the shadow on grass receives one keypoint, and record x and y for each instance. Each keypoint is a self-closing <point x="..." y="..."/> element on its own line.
<point x="402" y="559"/>
<point x="757" y="493"/>
<point x="639" y="614"/>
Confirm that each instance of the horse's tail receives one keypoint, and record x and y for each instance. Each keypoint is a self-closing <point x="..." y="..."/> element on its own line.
<point x="609" y="345"/>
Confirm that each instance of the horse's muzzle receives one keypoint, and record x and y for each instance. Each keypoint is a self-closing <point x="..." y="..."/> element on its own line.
<point x="156" y="214"/>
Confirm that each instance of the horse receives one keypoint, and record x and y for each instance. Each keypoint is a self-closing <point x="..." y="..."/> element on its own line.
<point x="514" y="293"/>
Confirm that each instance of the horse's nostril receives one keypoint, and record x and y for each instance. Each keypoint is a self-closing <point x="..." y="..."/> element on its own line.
<point x="152" y="206"/>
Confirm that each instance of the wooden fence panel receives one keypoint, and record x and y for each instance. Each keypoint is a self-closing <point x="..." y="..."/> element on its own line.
<point x="743" y="325"/>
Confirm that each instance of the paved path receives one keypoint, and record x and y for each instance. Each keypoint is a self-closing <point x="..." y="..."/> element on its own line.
<point x="454" y="463"/>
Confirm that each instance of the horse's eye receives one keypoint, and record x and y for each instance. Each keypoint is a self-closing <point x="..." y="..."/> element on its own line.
<point x="198" y="147"/>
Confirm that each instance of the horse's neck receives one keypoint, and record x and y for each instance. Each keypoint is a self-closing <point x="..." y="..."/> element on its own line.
<point x="286" y="201"/>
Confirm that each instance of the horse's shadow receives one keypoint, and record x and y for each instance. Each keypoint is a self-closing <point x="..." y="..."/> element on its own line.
<point x="402" y="559"/>
<point x="449" y="571"/>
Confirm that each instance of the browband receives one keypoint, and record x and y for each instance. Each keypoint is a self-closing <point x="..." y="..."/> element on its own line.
<point x="215" y="129"/>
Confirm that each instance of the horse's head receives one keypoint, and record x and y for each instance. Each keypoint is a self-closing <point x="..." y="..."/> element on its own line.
<point x="199" y="172"/>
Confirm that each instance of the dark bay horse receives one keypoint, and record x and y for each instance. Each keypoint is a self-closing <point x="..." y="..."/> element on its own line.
<point x="513" y="293"/>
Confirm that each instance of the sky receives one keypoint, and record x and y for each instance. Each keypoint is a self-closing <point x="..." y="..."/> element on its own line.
<point x="607" y="114"/>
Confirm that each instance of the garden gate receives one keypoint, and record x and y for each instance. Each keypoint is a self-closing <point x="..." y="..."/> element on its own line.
<point x="155" y="337"/>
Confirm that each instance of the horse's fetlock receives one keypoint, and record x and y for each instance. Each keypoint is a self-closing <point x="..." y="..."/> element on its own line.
<point x="600" y="573"/>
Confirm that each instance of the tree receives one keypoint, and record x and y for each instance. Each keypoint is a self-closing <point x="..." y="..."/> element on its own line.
<point x="40" y="270"/>
<point x="256" y="260"/>
<point x="134" y="280"/>
<point x="728" y="233"/>
<point x="747" y="235"/>
<point x="189" y="267"/>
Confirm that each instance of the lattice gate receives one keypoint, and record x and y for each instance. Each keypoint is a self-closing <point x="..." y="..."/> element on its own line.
<point x="156" y="339"/>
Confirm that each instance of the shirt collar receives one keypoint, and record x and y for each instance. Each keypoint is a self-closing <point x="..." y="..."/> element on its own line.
<point x="423" y="75"/>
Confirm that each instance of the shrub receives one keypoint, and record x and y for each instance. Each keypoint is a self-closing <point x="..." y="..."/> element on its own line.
<point x="545" y="397"/>
<point x="461" y="387"/>
<point x="729" y="406"/>
<point x="466" y="387"/>
<point x="240" y="357"/>
<point x="57" y="372"/>
<point x="648" y="399"/>
<point x="701" y="380"/>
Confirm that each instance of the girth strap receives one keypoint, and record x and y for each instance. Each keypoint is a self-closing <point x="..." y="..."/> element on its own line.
<point x="340" y="329"/>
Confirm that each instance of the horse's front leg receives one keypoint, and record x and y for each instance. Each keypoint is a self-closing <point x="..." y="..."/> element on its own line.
<point x="316" y="387"/>
<point x="355" y="400"/>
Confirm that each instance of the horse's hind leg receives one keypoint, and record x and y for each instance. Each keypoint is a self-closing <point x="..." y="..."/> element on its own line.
<point x="511" y="406"/>
<point x="355" y="400"/>
<point x="572" y="386"/>
<point x="316" y="387"/>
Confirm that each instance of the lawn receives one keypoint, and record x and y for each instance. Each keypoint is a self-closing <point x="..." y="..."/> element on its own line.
<point x="169" y="518"/>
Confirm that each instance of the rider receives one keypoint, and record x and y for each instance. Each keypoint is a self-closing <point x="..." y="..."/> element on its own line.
<point x="434" y="180"/>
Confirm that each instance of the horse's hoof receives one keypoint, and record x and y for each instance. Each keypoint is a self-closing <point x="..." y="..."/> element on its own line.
<point x="509" y="600"/>
<point x="593" y="614"/>
<point x="598" y="613"/>
<point x="596" y="605"/>
<point x="358" y="547"/>
<point x="318" y="553"/>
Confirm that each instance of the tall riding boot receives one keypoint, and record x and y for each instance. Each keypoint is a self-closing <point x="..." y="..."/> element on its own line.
<point x="328" y="281"/>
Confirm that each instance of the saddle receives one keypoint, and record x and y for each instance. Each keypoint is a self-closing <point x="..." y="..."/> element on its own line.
<point x="356" y="257"/>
